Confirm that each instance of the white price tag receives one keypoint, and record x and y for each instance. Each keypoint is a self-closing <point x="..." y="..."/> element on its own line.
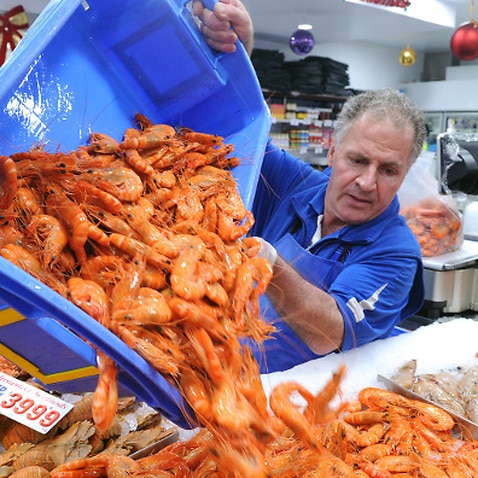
<point x="29" y="405"/>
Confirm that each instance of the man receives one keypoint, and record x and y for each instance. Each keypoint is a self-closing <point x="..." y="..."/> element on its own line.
<point x="347" y="269"/>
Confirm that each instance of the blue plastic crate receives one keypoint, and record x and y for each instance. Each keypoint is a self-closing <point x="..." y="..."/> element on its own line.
<point x="89" y="66"/>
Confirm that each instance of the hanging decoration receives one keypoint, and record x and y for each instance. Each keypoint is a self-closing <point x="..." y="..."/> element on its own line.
<point x="390" y="3"/>
<point x="408" y="56"/>
<point x="11" y="23"/>
<point x="301" y="42"/>
<point x="464" y="42"/>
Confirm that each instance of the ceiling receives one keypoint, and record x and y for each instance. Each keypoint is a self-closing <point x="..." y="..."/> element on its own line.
<point x="337" y="21"/>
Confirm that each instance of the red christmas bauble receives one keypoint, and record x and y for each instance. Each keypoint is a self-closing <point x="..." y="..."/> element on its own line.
<point x="464" y="42"/>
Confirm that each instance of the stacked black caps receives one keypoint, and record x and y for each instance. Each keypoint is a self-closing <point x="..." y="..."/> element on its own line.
<point x="270" y="70"/>
<point x="318" y="75"/>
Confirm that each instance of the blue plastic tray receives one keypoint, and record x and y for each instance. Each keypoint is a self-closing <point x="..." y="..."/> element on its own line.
<point x="88" y="66"/>
<point x="40" y="330"/>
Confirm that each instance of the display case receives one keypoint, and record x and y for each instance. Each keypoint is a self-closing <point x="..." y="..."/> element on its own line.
<point x="461" y="122"/>
<point x="435" y="126"/>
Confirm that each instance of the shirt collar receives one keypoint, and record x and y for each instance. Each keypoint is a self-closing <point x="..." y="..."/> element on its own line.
<point x="313" y="199"/>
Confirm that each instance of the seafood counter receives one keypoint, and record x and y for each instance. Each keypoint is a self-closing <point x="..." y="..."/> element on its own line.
<point x="351" y="425"/>
<point x="435" y="347"/>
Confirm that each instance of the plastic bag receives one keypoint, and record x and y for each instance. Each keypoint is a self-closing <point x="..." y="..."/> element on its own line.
<point x="434" y="218"/>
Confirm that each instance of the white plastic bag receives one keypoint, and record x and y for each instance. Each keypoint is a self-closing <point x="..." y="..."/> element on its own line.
<point x="434" y="218"/>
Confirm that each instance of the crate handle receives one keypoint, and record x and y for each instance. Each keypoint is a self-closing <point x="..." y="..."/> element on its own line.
<point x="209" y="4"/>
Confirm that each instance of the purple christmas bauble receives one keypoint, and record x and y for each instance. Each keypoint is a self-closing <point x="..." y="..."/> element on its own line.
<point x="301" y="42"/>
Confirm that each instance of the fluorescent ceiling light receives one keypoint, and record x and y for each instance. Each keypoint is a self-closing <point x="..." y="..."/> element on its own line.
<point x="430" y="11"/>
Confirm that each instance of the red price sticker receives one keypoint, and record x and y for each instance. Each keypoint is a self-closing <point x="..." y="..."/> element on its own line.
<point x="29" y="405"/>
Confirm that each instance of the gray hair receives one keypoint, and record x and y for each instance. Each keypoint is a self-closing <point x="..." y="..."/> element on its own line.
<point x="388" y="104"/>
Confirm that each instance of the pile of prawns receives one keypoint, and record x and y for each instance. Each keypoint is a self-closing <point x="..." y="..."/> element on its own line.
<point x="149" y="237"/>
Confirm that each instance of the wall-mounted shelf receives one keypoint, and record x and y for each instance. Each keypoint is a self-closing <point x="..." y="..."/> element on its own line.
<point x="303" y="123"/>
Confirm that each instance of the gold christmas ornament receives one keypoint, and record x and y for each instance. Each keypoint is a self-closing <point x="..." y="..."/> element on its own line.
<point x="408" y="56"/>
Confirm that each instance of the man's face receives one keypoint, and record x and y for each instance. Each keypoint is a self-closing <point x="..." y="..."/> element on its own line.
<point x="368" y="167"/>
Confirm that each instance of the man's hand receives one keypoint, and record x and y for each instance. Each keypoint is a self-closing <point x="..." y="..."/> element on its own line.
<point x="228" y="22"/>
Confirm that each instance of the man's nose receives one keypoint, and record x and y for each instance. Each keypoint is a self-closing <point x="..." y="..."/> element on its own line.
<point x="368" y="179"/>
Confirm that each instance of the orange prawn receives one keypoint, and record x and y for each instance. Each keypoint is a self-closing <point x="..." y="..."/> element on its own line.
<point x="26" y="261"/>
<point x="151" y="137"/>
<point x="86" y="191"/>
<point x="120" y="181"/>
<point x="102" y="143"/>
<point x="59" y="205"/>
<point x="184" y="279"/>
<point x="8" y="182"/>
<point x="137" y="162"/>
<point x="92" y="298"/>
<point x="105" y="401"/>
<point x="151" y="350"/>
<point x="28" y="201"/>
<point x="283" y="407"/>
<point x="233" y="220"/>
<point x="51" y="234"/>
<point x="149" y="307"/>
<point x="133" y="247"/>
<point x="252" y="278"/>
<point x="97" y="466"/>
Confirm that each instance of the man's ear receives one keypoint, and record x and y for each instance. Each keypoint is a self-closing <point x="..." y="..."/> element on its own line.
<point x="330" y="154"/>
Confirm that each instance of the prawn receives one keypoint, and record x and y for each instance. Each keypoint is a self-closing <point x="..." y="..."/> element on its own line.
<point x="97" y="466"/>
<point x="141" y="343"/>
<point x="120" y="181"/>
<point x="26" y="261"/>
<point x="110" y="222"/>
<point x="207" y="139"/>
<point x="32" y="471"/>
<point x="92" y="299"/>
<point x="86" y="191"/>
<point x="197" y="393"/>
<point x="233" y="220"/>
<point x="204" y="347"/>
<point x="151" y="137"/>
<point x="102" y="143"/>
<point x="59" y="205"/>
<point x="133" y="247"/>
<point x="199" y="314"/>
<point x="8" y="182"/>
<point x="185" y="281"/>
<point x="149" y="307"/>
<point x="252" y="278"/>
<point x="105" y="400"/>
<point x="27" y="201"/>
<point x="10" y="235"/>
<point x="317" y="409"/>
<point x="283" y="407"/>
<point x="137" y="162"/>
<point x="51" y="234"/>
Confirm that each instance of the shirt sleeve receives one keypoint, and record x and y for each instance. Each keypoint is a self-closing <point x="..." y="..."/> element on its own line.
<point x="281" y="173"/>
<point x="372" y="295"/>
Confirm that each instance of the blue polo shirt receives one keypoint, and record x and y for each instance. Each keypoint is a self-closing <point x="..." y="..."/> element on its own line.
<point x="380" y="282"/>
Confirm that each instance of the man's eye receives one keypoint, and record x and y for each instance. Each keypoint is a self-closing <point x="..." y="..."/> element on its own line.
<point x="390" y="171"/>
